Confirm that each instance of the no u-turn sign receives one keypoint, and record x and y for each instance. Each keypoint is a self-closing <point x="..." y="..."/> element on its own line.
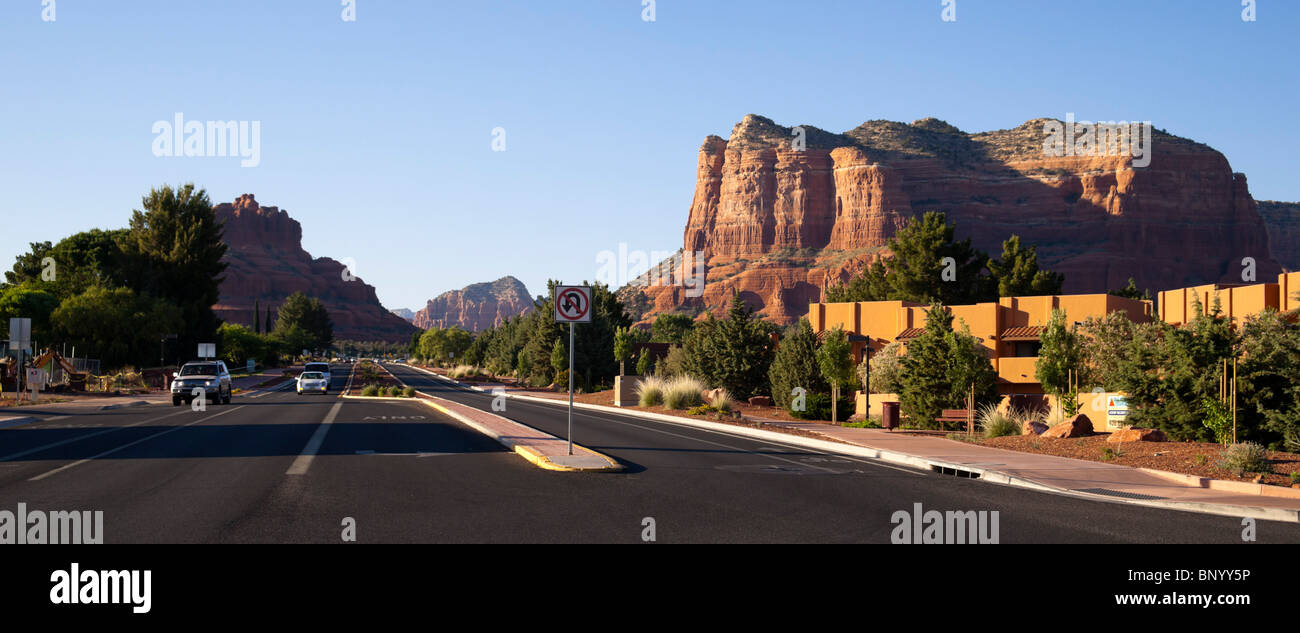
<point x="573" y="304"/>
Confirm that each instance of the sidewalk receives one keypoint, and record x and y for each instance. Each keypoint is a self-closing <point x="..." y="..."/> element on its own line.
<point x="1062" y="475"/>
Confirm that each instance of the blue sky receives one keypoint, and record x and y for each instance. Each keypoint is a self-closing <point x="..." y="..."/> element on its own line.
<point x="377" y="134"/>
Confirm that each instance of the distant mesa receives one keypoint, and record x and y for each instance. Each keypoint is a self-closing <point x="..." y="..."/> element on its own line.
<point x="476" y="306"/>
<point x="405" y="313"/>
<point x="777" y="225"/>
<point x="266" y="263"/>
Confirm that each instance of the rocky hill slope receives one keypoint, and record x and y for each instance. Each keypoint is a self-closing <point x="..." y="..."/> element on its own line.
<point x="476" y="306"/>
<point x="266" y="263"/>
<point x="777" y="224"/>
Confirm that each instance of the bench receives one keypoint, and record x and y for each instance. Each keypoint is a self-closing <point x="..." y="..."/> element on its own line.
<point x="953" y="415"/>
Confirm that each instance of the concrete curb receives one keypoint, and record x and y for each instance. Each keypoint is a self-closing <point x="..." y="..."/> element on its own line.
<point x="1239" y="487"/>
<point x="920" y="463"/>
<point x="528" y="453"/>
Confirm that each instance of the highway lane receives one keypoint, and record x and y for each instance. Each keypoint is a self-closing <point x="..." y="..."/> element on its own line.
<point x="707" y="486"/>
<point x="402" y="472"/>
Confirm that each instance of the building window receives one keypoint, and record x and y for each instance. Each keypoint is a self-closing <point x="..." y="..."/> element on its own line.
<point x="1026" y="349"/>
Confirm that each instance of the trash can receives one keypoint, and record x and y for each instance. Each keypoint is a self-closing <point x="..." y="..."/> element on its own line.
<point x="889" y="415"/>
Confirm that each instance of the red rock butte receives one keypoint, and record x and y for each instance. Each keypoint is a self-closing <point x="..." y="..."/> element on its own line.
<point x="777" y="225"/>
<point x="266" y="263"/>
<point x="476" y="306"/>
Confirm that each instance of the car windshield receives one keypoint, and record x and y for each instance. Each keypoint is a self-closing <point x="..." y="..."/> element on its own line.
<point x="199" y="370"/>
<point x="312" y="375"/>
<point x="317" y="367"/>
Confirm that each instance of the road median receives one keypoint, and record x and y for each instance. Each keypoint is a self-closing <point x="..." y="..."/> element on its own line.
<point x="541" y="449"/>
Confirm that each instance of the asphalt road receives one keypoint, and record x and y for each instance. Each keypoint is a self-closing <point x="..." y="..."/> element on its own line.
<point x="405" y="473"/>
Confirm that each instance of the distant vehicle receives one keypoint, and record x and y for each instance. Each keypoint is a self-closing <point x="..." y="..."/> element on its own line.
<point x="309" y="381"/>
<point x="323" y="368"/>
<point x="210" y="375"/>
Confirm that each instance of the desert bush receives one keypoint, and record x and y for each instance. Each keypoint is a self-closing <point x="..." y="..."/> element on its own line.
<point x="996" y="423"/>
<point x="1244" y="457"/>
<point x="683" y="392"/>
<point x="409" y="392"/>
<point x="370" y="390"/>
<point x="722" y="401"/>
<point x="650" y="392"/>
<point x="817" y="406"/>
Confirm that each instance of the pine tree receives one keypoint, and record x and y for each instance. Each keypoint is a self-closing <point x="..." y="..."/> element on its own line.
<point x="795" y="365"/>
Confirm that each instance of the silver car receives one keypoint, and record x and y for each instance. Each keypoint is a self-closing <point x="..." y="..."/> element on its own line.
<point x="210" y="376"/>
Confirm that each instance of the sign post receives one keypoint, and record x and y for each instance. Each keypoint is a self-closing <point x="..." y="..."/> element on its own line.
<point x="572" y="305"/>
<point x="20" y="338"/>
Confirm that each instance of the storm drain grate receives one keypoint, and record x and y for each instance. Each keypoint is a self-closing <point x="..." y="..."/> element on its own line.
<point x="957" y="472"/>
<point x="1118" y="493"/>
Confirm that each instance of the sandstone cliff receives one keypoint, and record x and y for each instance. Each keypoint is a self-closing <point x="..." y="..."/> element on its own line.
<point x="1283" y="222"/>
<point x="476" y="306"/>
<point x="266" y="263"/>
<point x="778" y="224"/>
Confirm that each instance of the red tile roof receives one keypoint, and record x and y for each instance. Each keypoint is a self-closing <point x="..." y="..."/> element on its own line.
<point x="1023" y="333"/>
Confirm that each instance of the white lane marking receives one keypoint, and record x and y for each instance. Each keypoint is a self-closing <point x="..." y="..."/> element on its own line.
<point x="128" y="445"/>
<point x="276" y="389"/>
<point x="57" y="417"/>
<point x="303" y="461"/>
<point x="85" y="437"/>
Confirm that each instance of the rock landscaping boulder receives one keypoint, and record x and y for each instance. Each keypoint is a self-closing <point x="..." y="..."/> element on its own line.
<point x="1033" y="427"/>
<point x="761" y="401"/>
<point x="1077" y="426"/>
<point x="1130" y="434"/>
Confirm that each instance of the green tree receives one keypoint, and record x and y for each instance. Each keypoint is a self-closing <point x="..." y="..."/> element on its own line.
<point x="26" y="301"/>
<point x="1017" y="273"/>
<point x="560" y="364"/>
<point x="919" y="269"/>
<point x="309" y="315"/>
<point x="643" y="362"/>
<point x="117" y="325"/>
<point x="175" y="249"/>
<point x="238" y="344"/>
<point x="835" y="359"/>
<point x="671" y="328"/>
<point x="795" y="365"/>
<point x="940" y="367"/>
<point x="1131" y="291"/>
<point x="1060" y="353"/>
<point x="886" y="369"/>
<point x="734" y="353"/>
<point x="257" y="318"/>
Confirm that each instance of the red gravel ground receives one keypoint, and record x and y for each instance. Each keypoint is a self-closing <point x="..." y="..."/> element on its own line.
<point x="1189" y="458"/>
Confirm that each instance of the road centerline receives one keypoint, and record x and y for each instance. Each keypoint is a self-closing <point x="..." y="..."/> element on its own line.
<point x="304" y="460"/>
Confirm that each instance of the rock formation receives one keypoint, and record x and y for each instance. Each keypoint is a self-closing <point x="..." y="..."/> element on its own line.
<point x="476" y="306"/>
<point x="1283" y="222"/>
<point x="266" y="263"/>
<point x="777" y="224"/>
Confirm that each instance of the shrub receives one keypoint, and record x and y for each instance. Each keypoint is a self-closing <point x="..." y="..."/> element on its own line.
<point x="650" y="392"/>
<point x="722" y="402"/>
<point x="817" y="406"/>
<point x="370" y="390"/>
<point x="408" y="392"/>
<point x="995" y="423"/>
<point x="1108" y="453"/>
<point x="703" y="409"/>
<point x="683" y="392"/>
<point x="1245" y="457"/>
